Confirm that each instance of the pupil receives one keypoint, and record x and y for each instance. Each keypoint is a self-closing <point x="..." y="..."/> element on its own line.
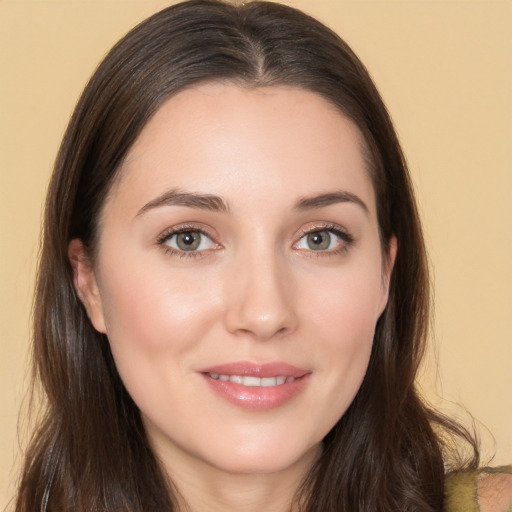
<point x="319" y="240"/>
<point x="188" y="241"/>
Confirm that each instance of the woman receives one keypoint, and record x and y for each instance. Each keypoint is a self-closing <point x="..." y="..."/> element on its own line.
<point x="232" y="298"/>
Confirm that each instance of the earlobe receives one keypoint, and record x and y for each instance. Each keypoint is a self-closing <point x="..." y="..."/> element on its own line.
<point x="85" y="283"/>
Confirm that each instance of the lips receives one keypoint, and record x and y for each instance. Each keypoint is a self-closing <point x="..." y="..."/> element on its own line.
<point x="249" y="381"/>
<point x="256" y="387"/>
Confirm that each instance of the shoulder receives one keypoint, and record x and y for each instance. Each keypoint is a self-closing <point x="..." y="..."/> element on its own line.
<point x="486" y="490"/>
<point x="495" y="489"/>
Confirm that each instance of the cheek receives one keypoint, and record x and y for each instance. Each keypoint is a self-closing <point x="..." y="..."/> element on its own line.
<point x="150" y="308"/>
<point x="349" y="339"/>
<point x="343" y="323"/>
<point x="347" y="307"/>
<point x="154" y="322"/>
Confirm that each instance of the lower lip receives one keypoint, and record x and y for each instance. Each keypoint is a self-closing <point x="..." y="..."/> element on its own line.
<point x="257" y="398"/>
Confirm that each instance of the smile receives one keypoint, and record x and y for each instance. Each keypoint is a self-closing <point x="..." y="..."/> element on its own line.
<point x="252" y="382"/>
<point x="256" y="387"/>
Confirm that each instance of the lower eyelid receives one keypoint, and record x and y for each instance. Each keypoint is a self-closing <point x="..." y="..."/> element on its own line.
<point x="183" y="254"/>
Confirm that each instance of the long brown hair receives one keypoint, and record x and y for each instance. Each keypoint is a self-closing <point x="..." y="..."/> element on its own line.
<point x="90" y="451"/>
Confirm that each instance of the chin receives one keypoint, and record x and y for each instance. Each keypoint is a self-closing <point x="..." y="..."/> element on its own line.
<point x="263" y="461"/>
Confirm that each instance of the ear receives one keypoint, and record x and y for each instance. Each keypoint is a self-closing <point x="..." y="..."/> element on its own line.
<point x="85" y="284"/>
<point x="387" y="269"/>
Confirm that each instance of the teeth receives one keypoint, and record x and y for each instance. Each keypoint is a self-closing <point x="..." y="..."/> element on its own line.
<point x="249" y="381"/>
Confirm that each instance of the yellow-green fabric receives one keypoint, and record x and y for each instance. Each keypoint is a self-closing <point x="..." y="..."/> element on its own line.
<point x="461" y="490"/>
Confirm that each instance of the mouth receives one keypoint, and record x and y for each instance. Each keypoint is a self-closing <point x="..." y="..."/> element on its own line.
<point x="252" y="382"/>
<point x="256" y="387"/>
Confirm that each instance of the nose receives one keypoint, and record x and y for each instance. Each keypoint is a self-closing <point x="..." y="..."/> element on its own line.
<point x="259" y="299"/>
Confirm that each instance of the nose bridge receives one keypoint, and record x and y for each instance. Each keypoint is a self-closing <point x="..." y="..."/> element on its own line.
<point x="259" y="300"/>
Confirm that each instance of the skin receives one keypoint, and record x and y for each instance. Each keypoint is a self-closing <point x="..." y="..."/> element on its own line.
<point x="495" y="492"/>
<point x="254" y="291"/>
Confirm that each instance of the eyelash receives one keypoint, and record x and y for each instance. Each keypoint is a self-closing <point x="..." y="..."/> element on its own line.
<point x="168" y="234"/>
<point x="346" y="238"/>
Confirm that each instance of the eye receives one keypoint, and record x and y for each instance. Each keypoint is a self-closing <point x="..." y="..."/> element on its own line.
<point x="324" y="240"/>
<point x="189" y="240"/>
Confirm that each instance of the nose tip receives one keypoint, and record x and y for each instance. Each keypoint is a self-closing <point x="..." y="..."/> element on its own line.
<point x="260" y="304"/>
<point x="262" y="327"/>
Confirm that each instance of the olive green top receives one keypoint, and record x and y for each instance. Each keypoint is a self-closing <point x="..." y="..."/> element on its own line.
<point x="461" y="489"/>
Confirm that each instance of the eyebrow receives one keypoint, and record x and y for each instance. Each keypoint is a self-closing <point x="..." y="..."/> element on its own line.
<point x="323" y="200"/>
<point x="177" y="197"/>
<point x="215" y="203"/>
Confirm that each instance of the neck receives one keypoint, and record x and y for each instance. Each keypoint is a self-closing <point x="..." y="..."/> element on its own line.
<point x="205" y="488"/>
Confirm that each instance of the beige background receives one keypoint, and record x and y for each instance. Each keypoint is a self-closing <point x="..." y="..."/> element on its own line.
<point x="445" y="70"/>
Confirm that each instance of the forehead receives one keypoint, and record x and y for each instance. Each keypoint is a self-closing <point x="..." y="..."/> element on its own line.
<point x="226" y="139"/>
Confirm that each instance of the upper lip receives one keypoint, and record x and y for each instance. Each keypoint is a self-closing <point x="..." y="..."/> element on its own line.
<point x="252" y="369"/>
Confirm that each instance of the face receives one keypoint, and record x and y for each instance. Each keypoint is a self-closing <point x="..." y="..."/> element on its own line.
<point x="239" y="275"/>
